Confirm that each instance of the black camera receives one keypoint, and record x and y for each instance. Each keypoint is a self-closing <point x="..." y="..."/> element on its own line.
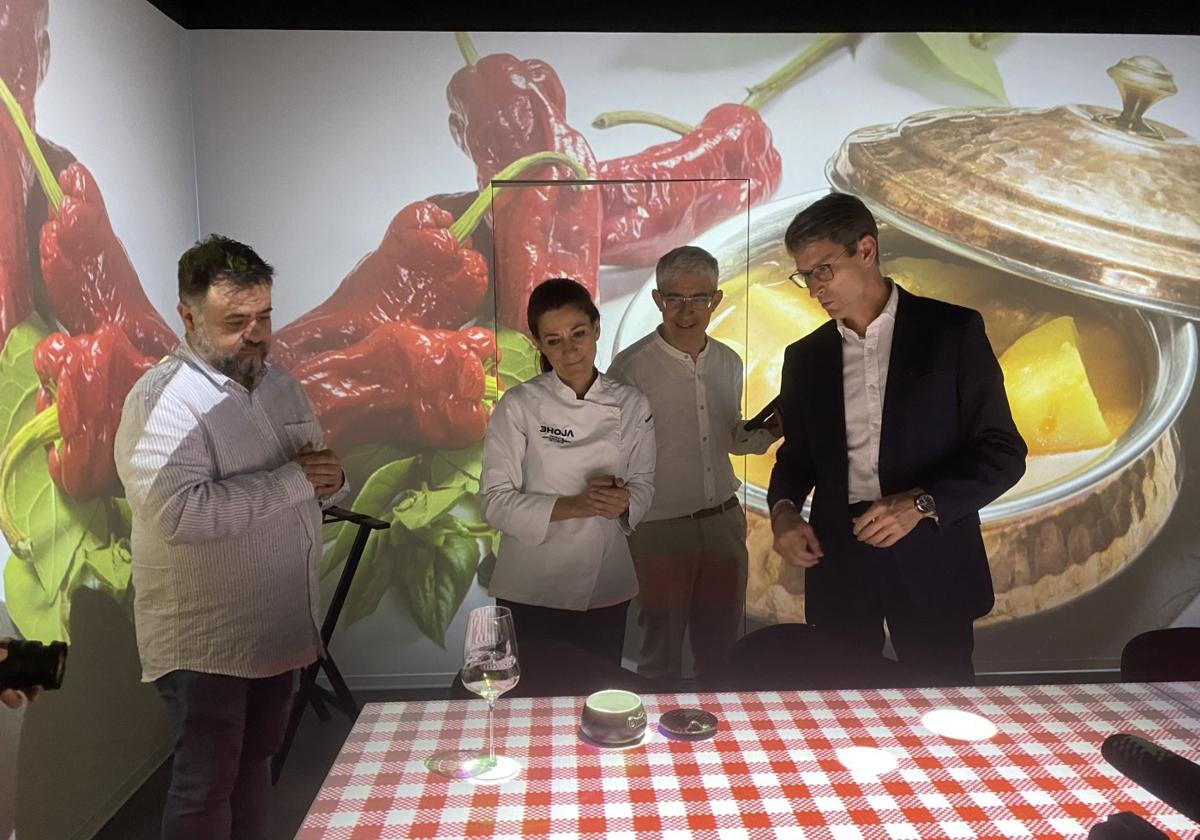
<point x="30" y="664"/>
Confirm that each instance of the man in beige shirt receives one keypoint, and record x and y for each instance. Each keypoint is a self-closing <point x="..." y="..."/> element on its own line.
<point x="690" y="550"/>
<point x="221" y="457"/>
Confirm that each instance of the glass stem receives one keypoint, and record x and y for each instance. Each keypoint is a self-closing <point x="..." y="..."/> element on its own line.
<point x="491" y="734"/>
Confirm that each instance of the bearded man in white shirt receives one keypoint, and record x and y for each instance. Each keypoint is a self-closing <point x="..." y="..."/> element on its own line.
<point x="690" y="550"/>
<point x="221" y="457"/>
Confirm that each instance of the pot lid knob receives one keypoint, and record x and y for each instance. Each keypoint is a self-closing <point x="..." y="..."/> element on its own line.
<point x="1142" y="81"/>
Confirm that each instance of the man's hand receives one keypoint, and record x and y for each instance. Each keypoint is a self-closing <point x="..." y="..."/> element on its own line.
<point x="322" y="469"/>
<point x="888" y="520"/>
<point x="609" y="496"/>
<point x="775" y="423"/>
<point x="10" y="696"/>
<point x="795" y="539"/>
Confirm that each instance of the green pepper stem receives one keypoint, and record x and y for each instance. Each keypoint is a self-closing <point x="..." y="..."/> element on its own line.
<point x="611" y="118"/>
<point x="759" y="95"/>
<point x="50" y="187"/>
<point x="491" y="391"/>
<point x="782" y="79"/>
<point x="41" y="429"/>
<point x="467" y="48"/>
<point x="469" y="220"/>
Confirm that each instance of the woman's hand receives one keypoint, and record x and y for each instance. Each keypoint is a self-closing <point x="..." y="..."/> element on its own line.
<point x="573" y="507"/>
<point x="609" y="496"/>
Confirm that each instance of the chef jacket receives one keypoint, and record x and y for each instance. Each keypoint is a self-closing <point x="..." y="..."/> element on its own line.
<point x="544" y="442"/>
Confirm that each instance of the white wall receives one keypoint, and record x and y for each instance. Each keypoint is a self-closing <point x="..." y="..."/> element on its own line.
<point x="118" y="96"/>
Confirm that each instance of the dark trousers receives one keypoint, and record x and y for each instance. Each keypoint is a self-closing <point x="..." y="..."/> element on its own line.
<point x="226" y="731"/>
<point x="600" y="631"/>
<point x="862" y="587"/>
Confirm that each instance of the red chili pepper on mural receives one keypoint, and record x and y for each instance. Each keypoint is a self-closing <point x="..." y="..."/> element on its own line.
<point x="716" y="169"/>
<point x="403" y="383"/>
<point x="504" y="108"/>
<point x="24" y="57"/>
<point x="85" y="378"/>
<point x="87" y="273"/>
<point x="16" y="291"/>
<point x="421" y="273"/>
<point x="642" y="221"/>
<point x="456" y="204"/>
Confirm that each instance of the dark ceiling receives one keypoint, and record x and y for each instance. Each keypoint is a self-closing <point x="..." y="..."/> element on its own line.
<point x="699" y="16"/>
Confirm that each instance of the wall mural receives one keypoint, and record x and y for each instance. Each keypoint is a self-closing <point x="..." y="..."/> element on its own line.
<point x="1072" y="227"/>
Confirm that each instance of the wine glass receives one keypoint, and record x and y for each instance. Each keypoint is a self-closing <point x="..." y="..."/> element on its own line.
<point x="489" y="669"/>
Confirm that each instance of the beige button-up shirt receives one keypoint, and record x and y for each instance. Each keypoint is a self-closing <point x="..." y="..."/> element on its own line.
<point x="226" y="528"/>
<point x="698" y="413"/>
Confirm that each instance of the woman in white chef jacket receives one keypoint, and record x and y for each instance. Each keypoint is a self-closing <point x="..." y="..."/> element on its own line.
<point x="568" y="465"/>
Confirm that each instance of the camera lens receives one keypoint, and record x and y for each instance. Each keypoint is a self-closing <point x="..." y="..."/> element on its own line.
<point x="32" y="664"/>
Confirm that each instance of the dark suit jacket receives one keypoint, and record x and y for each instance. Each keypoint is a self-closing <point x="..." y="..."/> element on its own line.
<point x="946" y="428"/>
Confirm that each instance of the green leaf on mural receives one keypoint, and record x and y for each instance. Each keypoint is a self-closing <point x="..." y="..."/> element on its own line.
<point x="457" y="468"/>
<point x="18" y="380"/>
<point x="361" y="462"/>
<point x="472" y="520"/>
<point x="966" y="55"/>
<point x="371" y="580"/>
<point x="39" y="616"/>
<point x="124" y="523"/>
<point x="376" y="498"/>
<point x="418" y="509"/>
<point x="520" y="360"/>
<point x="434" y="546"/>
<point x="112" y="565"/>
<point x="52" y="523"/>
<point x="436" y="579"/>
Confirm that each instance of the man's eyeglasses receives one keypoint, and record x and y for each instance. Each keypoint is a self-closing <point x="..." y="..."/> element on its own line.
<point x="823" y="273"/>
<point x="698" y="301"/>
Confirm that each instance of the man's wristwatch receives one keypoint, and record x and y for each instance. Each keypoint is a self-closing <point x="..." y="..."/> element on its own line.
<point x="925" y="506"/>
<point x="780" y="507"/>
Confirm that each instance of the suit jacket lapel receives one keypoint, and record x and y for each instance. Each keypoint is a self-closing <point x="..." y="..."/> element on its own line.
<point x="828" y="391"/>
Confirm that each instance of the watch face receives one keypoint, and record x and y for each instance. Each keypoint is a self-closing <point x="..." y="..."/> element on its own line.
<point x="924" y="503"/>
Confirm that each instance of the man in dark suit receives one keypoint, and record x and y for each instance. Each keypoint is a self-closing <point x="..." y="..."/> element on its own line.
<point x="894" y="412"/>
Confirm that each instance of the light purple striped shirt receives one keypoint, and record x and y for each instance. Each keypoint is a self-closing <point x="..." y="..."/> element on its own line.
<point x="226" y="529"/>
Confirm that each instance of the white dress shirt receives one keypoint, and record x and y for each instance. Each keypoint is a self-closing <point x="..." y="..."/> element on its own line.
<point x="543" y="442"/>
<point x="226" y="528"/>
<point x="698" y="409"/>
<point x="864" y="380"/>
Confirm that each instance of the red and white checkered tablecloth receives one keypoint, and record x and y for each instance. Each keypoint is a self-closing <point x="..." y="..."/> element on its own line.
<point x="1187" y="693"/>
<point x="774" y="769"/>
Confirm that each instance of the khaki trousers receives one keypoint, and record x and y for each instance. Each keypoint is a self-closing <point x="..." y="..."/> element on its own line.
<point x="691" y="578"/>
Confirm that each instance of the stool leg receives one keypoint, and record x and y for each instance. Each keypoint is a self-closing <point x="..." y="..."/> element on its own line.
<point x="345" y="698"/>
<point x="302" y="698"/>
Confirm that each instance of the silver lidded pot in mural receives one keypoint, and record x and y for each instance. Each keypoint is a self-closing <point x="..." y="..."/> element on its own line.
<point x="1029" y="215"/>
